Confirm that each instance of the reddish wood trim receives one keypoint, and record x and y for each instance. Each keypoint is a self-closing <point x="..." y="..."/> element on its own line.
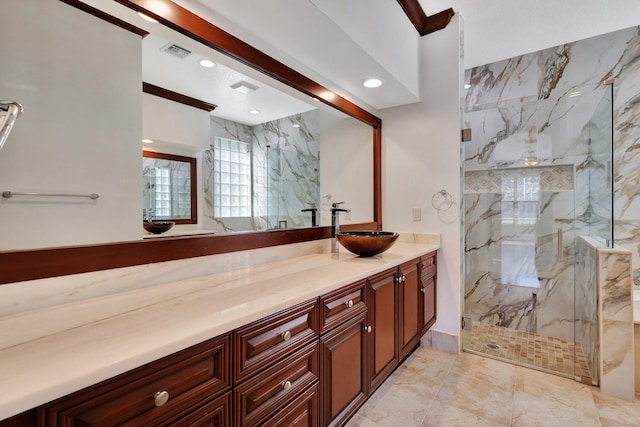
<point x="41" y="263"/>
<point x="377" y="175"/>
<point x="192" y="25"/>
<point x="361" y="226"/>
<point x="105" y="16"/>
<point x="177" y="97"/>
<point x="437" y="22"/>
<point x="193" y="176"/>
<point x="425" y="24"/>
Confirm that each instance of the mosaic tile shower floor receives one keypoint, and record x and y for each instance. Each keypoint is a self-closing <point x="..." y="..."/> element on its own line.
<point x="549" y="354"/>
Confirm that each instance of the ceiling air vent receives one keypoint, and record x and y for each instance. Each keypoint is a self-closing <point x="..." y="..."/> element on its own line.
<point x="176" y="50"/>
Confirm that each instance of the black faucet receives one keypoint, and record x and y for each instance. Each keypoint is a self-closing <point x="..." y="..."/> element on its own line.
<point x="314" y="210"/>
<point x="335" y="223"/>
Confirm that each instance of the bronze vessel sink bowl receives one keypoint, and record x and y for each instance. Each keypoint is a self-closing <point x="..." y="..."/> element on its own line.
<point x="158" y="227"/>
<point x="367" y="243"/>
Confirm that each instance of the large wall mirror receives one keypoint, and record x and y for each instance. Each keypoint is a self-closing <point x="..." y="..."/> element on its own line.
<point x="267" y="144"/>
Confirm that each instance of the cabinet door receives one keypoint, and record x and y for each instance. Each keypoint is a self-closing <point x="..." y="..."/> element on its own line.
<point x="429" y="303"/>
<point x="409" y="299"/>
<point x="383" y="342"/>
<point x="343" y="370"/>
<point x="428" y="274"/>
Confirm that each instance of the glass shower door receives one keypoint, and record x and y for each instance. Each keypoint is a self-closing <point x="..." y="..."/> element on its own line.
<point x="521" y="202"/>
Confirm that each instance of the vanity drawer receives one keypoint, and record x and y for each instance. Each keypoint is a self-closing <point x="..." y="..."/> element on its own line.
<point x="266" y="341"/>
<point x="341" y="305"/>
<point x="152" y="394"/>
<point x="428" y="265"/>
<point x="265" y="393"/>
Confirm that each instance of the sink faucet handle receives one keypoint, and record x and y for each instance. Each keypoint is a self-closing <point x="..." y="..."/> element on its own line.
<point x="335" y="205"/>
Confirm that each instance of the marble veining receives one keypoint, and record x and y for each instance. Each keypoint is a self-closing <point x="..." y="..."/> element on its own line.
<point x="536" y="112"/>
<point x="285" y="171"/>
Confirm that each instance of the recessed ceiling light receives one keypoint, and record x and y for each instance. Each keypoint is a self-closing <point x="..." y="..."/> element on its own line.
<point x="371" y="83"/>
<point x="244" y="87"/>
<point x="254" y="111"/>
<point x="207" y="63"/>
<point x="147" y="141"/>
<point x="147" y="18"/>
<point x="467" y="86"/>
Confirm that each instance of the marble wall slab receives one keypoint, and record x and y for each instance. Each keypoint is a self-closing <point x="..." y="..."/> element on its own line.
<point x="285" y="169"/>
<point x="616" y="323"/>
<point x="517" y="108"/>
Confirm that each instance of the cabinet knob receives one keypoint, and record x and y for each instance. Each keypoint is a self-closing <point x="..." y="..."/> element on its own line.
<point x="286" y="336"/>
<point x="161" y="397"/>
<point x="286" y="385"/>
<point x="349" y="303"/>
<point x="422" y="290"/>
<point x="367" y="328"/>
<point x="404" y="279"/>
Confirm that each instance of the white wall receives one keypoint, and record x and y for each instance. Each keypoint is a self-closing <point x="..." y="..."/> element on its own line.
<point x="175" y="123"/>
<point x="500" y="29"/>
<point x="346" y="168"/>
<point x="79" y="80"/>
<point x="421" y="156"/>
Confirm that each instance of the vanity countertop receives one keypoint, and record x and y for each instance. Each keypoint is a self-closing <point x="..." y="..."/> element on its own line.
<point x="49" y="353"/>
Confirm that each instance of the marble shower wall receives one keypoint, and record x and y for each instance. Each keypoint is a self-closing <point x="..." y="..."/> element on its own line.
<point x="516" y="109"/>
<point x="285" y="169"/>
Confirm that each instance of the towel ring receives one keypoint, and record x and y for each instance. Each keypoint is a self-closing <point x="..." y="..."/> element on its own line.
<point x="442" y="200"/>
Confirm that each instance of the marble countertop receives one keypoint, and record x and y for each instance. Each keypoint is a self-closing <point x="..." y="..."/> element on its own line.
<point x="48" y="353"/>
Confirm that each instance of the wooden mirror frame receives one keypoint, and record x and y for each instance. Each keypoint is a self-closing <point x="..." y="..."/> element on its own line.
<point x="17" y="266"/>
<point x="193" y="183"/>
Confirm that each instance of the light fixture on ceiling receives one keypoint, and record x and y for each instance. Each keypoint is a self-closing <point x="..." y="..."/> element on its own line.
<point x="371" y="83"/>
<point x="296" y="125"/>
<point x="147" y="18"/>
<point x="244" y="87"/>
<point x="147" y="141"/>
<point x="574" y="94"/>
<point x="254" y="112"/>
<point x="207" y="63"/>
<point x="467" y="86"/>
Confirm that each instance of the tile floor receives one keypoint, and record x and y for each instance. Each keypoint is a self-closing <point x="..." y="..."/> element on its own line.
<point x="528" y="349"/>
<point x="434" y="388"/>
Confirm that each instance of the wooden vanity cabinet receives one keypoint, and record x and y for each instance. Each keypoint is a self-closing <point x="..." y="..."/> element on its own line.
<point x="343" y="344"/>
<point x="313" y="364"/>
<point x="191" y="383"/>
<point x="428" y="290"/>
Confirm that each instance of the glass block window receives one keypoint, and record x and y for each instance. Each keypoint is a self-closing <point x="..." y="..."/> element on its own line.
<point x="172" y="193"/>
<point x="231" y="178"/>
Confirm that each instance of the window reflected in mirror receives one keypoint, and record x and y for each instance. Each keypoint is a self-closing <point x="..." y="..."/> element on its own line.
<point x="169" y="188"/>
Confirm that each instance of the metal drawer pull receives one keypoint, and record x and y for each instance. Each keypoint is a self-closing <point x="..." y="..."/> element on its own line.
<point x="430" y="263"/>
<point x="349" y="303"/>
<point x="161" y="397"/>
<point x="286" y="385"/>
<point x="286" y="336"/>
<point x="367" y="328"/>
<point x="422" y="290"/>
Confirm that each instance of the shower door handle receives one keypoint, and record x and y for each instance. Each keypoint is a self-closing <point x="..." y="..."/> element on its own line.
<point x="13" y="110"/>
<point x="560" y="244"/>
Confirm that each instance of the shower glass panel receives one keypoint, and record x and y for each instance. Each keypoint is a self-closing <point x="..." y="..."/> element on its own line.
<point x="531" y="176"/>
